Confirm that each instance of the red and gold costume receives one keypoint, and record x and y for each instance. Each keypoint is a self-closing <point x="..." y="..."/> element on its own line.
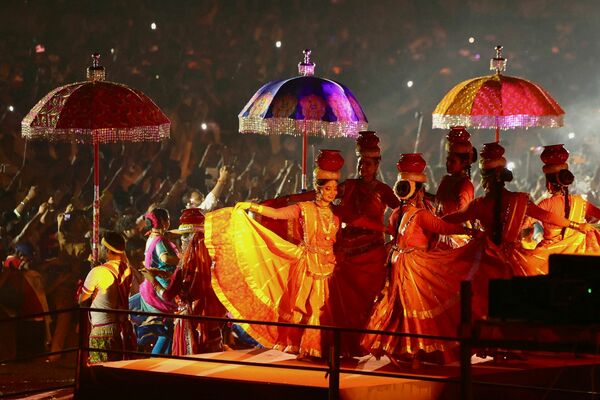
<point x="422" y="294"/>
<point x="580" y="211"/>
<point x="502" y="215"/>
<point x="456" y="190"/>
<point x="454" y="193"/>
<point x="556" y="238"/>
<point x="260" y="276"/>
<point x="361" y="254"/>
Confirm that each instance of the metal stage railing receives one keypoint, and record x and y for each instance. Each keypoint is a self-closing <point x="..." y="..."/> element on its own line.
<point x="14" y="394"/>
<point x="466" y="338"/>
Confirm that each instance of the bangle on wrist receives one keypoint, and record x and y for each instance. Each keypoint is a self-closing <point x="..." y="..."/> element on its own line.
<point x="574" y="225"/>
<point x="22" y="203"/>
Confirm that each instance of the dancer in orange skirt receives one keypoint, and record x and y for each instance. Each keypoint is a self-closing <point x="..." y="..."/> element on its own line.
<point x="503" y="213"/>
<point x="361" y="254"/>
<point x="421" y="296"/>
<point x="360" y="250"/>
<point x="260" y="276"/>
<point x="574" y="207"/>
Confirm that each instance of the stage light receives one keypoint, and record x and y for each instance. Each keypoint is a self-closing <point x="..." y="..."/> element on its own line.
<point x="589" y="291"/>
<point x="409" y="84"/>
<point x="510" y="165"/>
<point x="157" y="76"/>
<point x="11" y="108"/>
<point x="112" y="51"/>
<point x="39" y="48"/>
<point x="203" y="126"/>
<point x="278" y="44"/>
<point x="153" y="26"/>
<point x="571" y="135"/>
<point x="471" y="39"/>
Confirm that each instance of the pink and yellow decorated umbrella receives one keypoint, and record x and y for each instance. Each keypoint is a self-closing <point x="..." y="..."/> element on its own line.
<point x="96" y="111"/>
<point x="498" y="102"/>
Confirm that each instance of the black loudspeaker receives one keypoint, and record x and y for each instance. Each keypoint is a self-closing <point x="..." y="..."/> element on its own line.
<point x="569" y="294"/>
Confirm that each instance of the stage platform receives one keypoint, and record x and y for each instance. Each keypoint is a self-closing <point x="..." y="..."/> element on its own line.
<point x="168" y="378"/>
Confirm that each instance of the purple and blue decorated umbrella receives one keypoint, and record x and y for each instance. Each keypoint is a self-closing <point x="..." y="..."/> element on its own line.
<point x="304" y="105"/>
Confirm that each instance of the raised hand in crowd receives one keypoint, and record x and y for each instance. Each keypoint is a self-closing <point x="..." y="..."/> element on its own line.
<point x="31" y="194"/>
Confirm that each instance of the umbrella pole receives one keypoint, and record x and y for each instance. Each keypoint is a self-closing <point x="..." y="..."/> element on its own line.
<point x="304" y="150"/>
<point x="497" y="131"/>
<point x="96" y="215"/>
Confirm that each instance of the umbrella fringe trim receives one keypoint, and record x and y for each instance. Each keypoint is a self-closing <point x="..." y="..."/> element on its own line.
<point x="102" y="135"/>
<point x="442" y="121"/>
<point x="289" y="126"/>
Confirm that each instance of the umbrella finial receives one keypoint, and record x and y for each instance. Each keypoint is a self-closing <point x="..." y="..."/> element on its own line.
<point x="498" y="63"/>
<point x="306" y="67"/>
<point x="96" y="71"/>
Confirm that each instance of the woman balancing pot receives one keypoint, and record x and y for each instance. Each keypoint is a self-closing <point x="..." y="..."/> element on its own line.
<point x="456" y="190"/>
<point x="503" y="213"/>
<point x="558" y="239"/>
<point x="260" y="276"/>
<point x="361" y="254"/>
<point x="422" y="289"/>
<point x="360" y="250"/>
<point x="573" y="207"/>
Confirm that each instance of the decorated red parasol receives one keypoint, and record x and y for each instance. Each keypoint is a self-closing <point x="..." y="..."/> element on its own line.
<point x="96" y="111"/>
<point x="499" y="102"/>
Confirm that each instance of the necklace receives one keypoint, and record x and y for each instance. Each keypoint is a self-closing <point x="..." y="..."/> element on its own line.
<point x="325" y="222"/>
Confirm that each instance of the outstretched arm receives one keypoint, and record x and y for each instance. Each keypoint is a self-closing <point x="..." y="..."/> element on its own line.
<point x="555" y="219"/>
<point x="431" y="223"/>
<point x="464" y="215"/>
<point x="289" y="212"/>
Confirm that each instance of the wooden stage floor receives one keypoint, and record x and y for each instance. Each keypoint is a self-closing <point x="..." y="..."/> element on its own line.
<point x="168" y="378"/>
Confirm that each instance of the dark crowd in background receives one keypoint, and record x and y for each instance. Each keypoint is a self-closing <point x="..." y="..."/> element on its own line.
<point x="202" y="61"/>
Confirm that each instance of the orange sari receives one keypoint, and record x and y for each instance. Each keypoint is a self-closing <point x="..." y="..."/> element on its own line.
<point x="557" y="241"/>
<point x="361" y="256"/>
<point x="260" y="276"/>
<point x="423" y="294"/>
